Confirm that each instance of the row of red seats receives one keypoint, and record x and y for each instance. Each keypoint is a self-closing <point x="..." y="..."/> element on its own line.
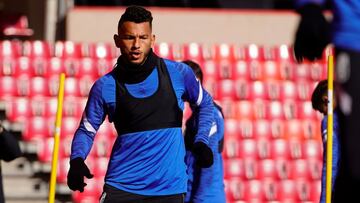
<point x="48" y="67"/>
<point x="277" y="169"/>
<point x="224" y="90"/>
<point x="258" y="128"/>
<point x="259" y="191"/>
<point x="69" y="49"/>
<point x="272" y="149"/>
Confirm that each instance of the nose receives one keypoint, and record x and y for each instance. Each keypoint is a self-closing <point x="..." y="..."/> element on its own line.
<point x="136" y="43"/>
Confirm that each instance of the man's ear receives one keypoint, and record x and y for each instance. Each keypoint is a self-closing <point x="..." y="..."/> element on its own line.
<point x="152" y="41"/>
<point x="116" y="40"/>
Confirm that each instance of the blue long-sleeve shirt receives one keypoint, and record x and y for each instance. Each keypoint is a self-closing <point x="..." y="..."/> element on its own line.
<point x="345" y="24"/>
<point x="336" y="154"/>
<point x="207" y="184"/>
<point x="148" y="162"/>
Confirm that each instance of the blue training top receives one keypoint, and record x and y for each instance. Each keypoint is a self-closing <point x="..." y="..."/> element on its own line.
<point x="336" y="154"/>
<point x="207" y="184"/>
<point x="150" y="162"/>
<point x="346" y="22"/>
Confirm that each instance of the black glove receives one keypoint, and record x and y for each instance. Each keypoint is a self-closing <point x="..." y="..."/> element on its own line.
<point x="203" y="155"/>
<point x="313" y="33"/>
<point x="77" y="171"/>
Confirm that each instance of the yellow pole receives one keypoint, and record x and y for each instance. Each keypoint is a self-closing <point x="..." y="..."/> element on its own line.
<point x="56" y="139"/>
<point x="329" y="128"/>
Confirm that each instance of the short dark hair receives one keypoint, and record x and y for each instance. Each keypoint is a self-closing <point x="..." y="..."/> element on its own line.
<point x="316" y="97"/>
<point x="136" y="14"/>
<point x="196" y="69"/>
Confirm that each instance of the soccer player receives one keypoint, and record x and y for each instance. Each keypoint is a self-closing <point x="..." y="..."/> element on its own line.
<point x="144" y="97"/>
<point x="319" y="100"/>
<point x="205" y="185"/>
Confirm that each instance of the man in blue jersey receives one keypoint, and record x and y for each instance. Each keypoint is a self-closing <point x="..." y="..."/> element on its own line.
<point x="319" y="100"/>
<point x="312" y="36"/>
<point x="144" y="97"/>
<point x="205" y="185"/>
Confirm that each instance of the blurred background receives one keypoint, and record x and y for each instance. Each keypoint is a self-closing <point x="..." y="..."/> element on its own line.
<point x="273" y="150"/>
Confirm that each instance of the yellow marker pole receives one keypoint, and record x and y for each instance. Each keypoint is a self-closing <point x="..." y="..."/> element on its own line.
<point x="56" y="139"/>
<point x="329" y="128"/>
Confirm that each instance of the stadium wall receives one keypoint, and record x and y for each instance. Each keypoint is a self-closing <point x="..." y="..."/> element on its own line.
<point x="177" y="25"/>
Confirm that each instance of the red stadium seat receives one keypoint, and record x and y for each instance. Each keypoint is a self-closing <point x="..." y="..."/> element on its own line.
<point x="312" y="149"/>
<point x="315" y="191"/>
<point x="103" y="50"/>
<point x="63" y="168"/>
<point x="7" y="87"/>
<point x="267" y="169"/>
<point x="242" y="88"/>
<point x="233" y="168"/>
<point x="18" y="109"/>
<point x="245" y="110"/>
<point x="235" y="189"/>
<point x="103" y="146"/>
<point x="306" y="111"/>
<point x="271" y="192"/>
<point x="299" y="169"/>
<point x="273" y="89"/>
<point x="304" y="90"/>
<point x="231" y="148"/>
<point x="280" y="149"/>
<point x="72" y="107"/>
<point x="232" y="128"/>
<point x="287" y="191"/>
<point x="294" y="129"/>
<point x="69" y="126"/>
<point x="272" y="70"/>
<point x="68" y="49"/>
<point x="312" y="129"/>
<point x="10" y="49"/>
<point x="39" y="87"/>
<point x="45" y="149"/>
<point x="315" y="169"/>
<point x="8" y="66"/>
<point x="210" y="70"/>
<point x="277" y="128"/>
<point x="164" y="50"/>
<point x="275" y="110"/>
<point x="283" y="168"/>
<point x="226" y="90"/>
<point x="318" y="71"/>
<point x="302" y="71"/>
<point x="257" y="90"/>
<point x="226" y="69"/>
<point x="291" y="110"/>
<point x="245" y="128"/>
<point x="264" y="148"/>
<point x="288" y="91"/>
<point x="56" y="67"/>
<point x="23" y="67"/>
<point x="248" y="149"/>
<point x="104" y="66"/>
<point x="262" y="129"/>
<point x="295" y="146"/>
<point x="101" y="166"/>
<point x="254" y="191"/>
<point x="37" y="49"/>
<point x="36" y="128"/>
<point x="260" y="108"/>
<point x="193" y="51"/>
<point x="229" y="108"/>
<point x="241" y="70"/>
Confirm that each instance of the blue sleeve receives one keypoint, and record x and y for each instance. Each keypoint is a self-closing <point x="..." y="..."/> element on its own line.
<point x="201" y="99"/>
<point x="336" y="156"/>
<point x="300" y="3"/>
<point x="93" y="116"/>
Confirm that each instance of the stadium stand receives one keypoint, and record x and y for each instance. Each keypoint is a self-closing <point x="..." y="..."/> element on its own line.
<point x="272" y="139"/>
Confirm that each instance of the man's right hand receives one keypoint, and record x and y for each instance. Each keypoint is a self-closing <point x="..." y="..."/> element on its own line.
<point x="313" y="33"/>
<point x="77" y="171"/>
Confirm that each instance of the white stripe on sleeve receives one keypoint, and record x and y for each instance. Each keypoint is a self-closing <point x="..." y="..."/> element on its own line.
<point x="200" y="97"/>
<point x="88" y="125"/>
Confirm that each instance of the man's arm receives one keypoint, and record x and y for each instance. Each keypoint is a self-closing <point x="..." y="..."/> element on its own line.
<point x="202" y="102"/>
<point x="313" y="32"/>
<point x="9" y="145"/>
<point x="93" y="116"/>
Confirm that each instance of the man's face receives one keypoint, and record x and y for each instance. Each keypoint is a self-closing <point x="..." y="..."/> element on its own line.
<point x="135" y="41"/>
<point x="324" y="105"/>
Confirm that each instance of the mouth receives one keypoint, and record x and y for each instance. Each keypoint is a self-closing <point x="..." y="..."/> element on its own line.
<point x="135" y="55"/>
